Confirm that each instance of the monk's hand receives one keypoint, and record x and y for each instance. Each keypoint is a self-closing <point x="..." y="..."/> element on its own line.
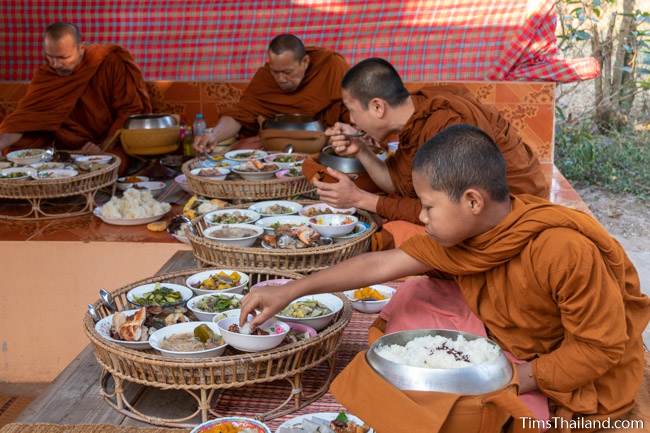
<point x="342" y="143"/>
<point x="527" y="380"/>
<point x="264" y="303"/>
<point x="91" y="147"/>
<point x="342" y="194"/>
<point x="204" y="143"/>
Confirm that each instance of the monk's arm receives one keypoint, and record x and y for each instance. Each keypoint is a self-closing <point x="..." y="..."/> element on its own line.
<point x="395" y="207"/>
<point x="376" y="169"/>
<point x="9" y="138"/>
<point x="360" y="271"/>
<point x="226" y="127"/>
<point x="591" y="307"/>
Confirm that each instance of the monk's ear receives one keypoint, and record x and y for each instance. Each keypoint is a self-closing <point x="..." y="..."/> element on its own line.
<point x="304" y="62"/>
<point x="378" y="107"/>
<point x="474" y="199"/>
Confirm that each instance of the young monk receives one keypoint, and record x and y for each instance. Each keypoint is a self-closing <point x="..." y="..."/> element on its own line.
<point x="294" y="80"/>
<point x="549" y="284"/>
<point x="79" y="99"/>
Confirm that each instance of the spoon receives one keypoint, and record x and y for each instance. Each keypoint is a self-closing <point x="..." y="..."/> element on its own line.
<point x="107" y="300"/>
<point x="93" y="313"/>
<point x="288" y="148"/>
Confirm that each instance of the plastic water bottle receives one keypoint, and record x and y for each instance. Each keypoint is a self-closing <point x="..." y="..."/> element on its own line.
<point x="199" y="125"/>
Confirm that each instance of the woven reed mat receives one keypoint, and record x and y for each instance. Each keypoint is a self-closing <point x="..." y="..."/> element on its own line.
<point x="11" y="407"/>
<point x="83" y="428"/>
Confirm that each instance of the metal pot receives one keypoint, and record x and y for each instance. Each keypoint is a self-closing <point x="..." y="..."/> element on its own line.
<point x="293" y="122"/>
<point x="344" y="164"/>
<point x="150" y="121"/>
<point x="472" y="380"/>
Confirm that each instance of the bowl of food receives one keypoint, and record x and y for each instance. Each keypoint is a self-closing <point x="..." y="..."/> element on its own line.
<point x="333" y="225"/>
<point x="345" y="164"/>
<point x="49" y="165"/>
<point x="370" y="299"/>
<point x="181" y="181"/>
<point x="360" y="228"/>
<point x="243" y="155"/>
<point x="212" y="173"/>
<point x="295" y="171"/>
<point x="440" y="360"/>
<point x="331" y="422"/>
<point x="17" y="173"/>
<point x="159" y="295"/>
<point x="234" y="235"/>
<point x="265" y="337"/>
<point x="286" y="160"/>
<point x="125" y="182"/>
<point x="218" y="281"/>
<point x="314" y="210"/>
<point x="231" y="424"/>
<point x="207" y="307"/>
<point x="55" y="173"/>
<point x="231" y="216"/>
<point x="276" y="207"/>
<point x="270" y="224"/>
<point x="154" y="187"/>
<point x="316" y="311"/>
<point x="29" y="156"/>
<point x="188" y="340"/>
<point x="254" y="170"/>
<point x="93" y="159"/>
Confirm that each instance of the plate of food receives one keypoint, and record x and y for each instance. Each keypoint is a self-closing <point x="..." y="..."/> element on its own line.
<point x="360" y="228"/>
<point x="324" y="422"/>
<point x="54" y="173"/>
<point x="286" y="160"/>
<point x="126" y="328"/>
<point x="207" y="307"/>
<point x="29" y="156"/>
<point x="232" y="424"/>
<point x="17" y="173"/>
<point x="316" y="311"/>
<point x="270" y="224"/>
<point x="276" y="207"/>
<point x="49" y="165"/>
<point x="159" y="295"/>
<point x="135" y="207"/>
<point x="289" y="172"/>
<point x="231" y="216"/>
<point x="292" y="237"/>
<point x="218" y="281"/>
<point x="314" y="210"/>
<point x="254" y="170"/>
<point x="242" y="155"/>
<point x="212" y="173"/>
<point x="93" y="159"/>
<point x="125" y="182"/>
<point x="189" y="340"/>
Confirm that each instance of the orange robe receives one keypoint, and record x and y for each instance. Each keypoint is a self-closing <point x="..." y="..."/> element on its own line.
<point x="319" y="93"/>
<point x="91" y="104"/>
<point x="552" y="287"/>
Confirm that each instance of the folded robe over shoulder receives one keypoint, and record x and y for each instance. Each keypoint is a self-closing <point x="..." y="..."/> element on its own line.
<point x="319" y="93"/>
<point x="91" y="104"/>
<point x="553" y="287"/>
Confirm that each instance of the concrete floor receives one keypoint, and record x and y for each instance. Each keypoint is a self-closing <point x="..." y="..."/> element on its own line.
<point x="640" y="256"/>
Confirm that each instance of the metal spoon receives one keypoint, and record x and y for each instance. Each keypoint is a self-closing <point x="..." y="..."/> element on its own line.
<point x="107" y="300"/>
<point x="93" y="313"/>
<point x="288" y="148"/>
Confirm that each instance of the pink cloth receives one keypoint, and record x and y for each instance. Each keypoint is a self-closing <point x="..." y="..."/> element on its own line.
<point x="423" y="302"/>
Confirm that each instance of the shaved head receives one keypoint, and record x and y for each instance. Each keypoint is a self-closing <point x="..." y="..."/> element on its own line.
<point x="288" y="42"/>
<point x="462" y="157"/>
<point x="57" y="31"/>
<point x="375" y="78"/>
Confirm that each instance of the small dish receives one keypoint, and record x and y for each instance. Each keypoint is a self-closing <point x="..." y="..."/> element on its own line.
<point x="213" y="232"/>
<point x="268" y="223"/>
<point x="254" y="343"/>
<point x="232" y="423"/>
<point x="55" y="173"/>
<point x="212" y="173"/>
<point x="276" y="207"/>
<point x="333" y="225"/>
<point x="29" y="156"/>
<point x="371" y="307"/>
<point x="17" y="173"/>
<point x="242" y="155"/>
<point x="194" y="282"/>
<point x="156" y="339"/>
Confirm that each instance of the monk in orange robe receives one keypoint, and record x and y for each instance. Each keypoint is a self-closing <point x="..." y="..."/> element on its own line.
<point x="551" y="286"/>
<point x="294" y="80"/>
<point x="380" y="105"/>
<point x="79" y="99"/>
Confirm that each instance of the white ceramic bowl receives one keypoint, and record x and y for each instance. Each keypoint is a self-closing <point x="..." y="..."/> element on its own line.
<point x="360" y="228"/>
<point x="299" y="156"/>
<point x="371" y="307"/>
<point x="238" y="421"/>
<point x="243" y="155"/>
<point x="223" y="172"/>
<point x="326" y="416"/>
<point x="5" y="164"/>
<point x="123" y="185"/>
<point x="206" y="315"/>
<point x="54" y="173"/>
<point x="93" y="159"/>
<point x="268" y="222"/>
<point x="180" y="328"/>
<point x="326" y="209"/>
<point x="251" y="215"/>
<point x="127" y="221"/>
<point x="181" y="180"/>
<point x="155" y="188"/>
<point x="255" y="175"/>
<point x="262" y="207"/>
<point x="230" y="313"/>
<point x="145" y="288"/>
<point x="103" y="328"/>
<point x="333" y="302"/>
<point x="193" y="282"/>
<point x="29" y="156"/>
<point x="331" y="225"/>
<point x="27" y="173"/>
<point x="48" y="165"/>
<point x="252" y="343"/>
<point x="247" y="241"/>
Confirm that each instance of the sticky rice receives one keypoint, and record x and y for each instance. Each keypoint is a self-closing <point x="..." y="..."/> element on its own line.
<point x="440" y="352"/>
<point x="134" y="204"/>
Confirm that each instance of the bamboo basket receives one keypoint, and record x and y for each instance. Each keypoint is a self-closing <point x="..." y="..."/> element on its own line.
<point x="33" y="191"/>
<point x="212" y="253"/>
<point x="205" y="378"/>
<point x="242" y="190"/>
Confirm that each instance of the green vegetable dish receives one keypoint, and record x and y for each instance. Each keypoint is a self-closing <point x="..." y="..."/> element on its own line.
<point x="160" y="296"/>
<point x="217" y="303"/>
<point x="306" y="309"/>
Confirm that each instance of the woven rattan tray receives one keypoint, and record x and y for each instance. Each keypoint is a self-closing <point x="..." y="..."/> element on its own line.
<point x="212" y="253"/>
<point x="208" y="379"/>
<point x="242" y="190"/>
<point x="36" y="192"/>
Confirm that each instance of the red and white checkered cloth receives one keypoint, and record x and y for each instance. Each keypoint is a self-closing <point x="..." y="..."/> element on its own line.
<point x="198" y="40"/>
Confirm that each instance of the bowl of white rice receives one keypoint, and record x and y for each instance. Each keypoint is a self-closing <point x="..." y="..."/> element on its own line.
<point x="440" y="360"/>
<point x="133" y="208"/>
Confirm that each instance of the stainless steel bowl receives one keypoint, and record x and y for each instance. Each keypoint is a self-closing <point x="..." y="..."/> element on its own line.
<point x="471" y="380"/>
<point x="344" y="164"/>
<point x="293" y="122"/>
<point x="150" y="121"/>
